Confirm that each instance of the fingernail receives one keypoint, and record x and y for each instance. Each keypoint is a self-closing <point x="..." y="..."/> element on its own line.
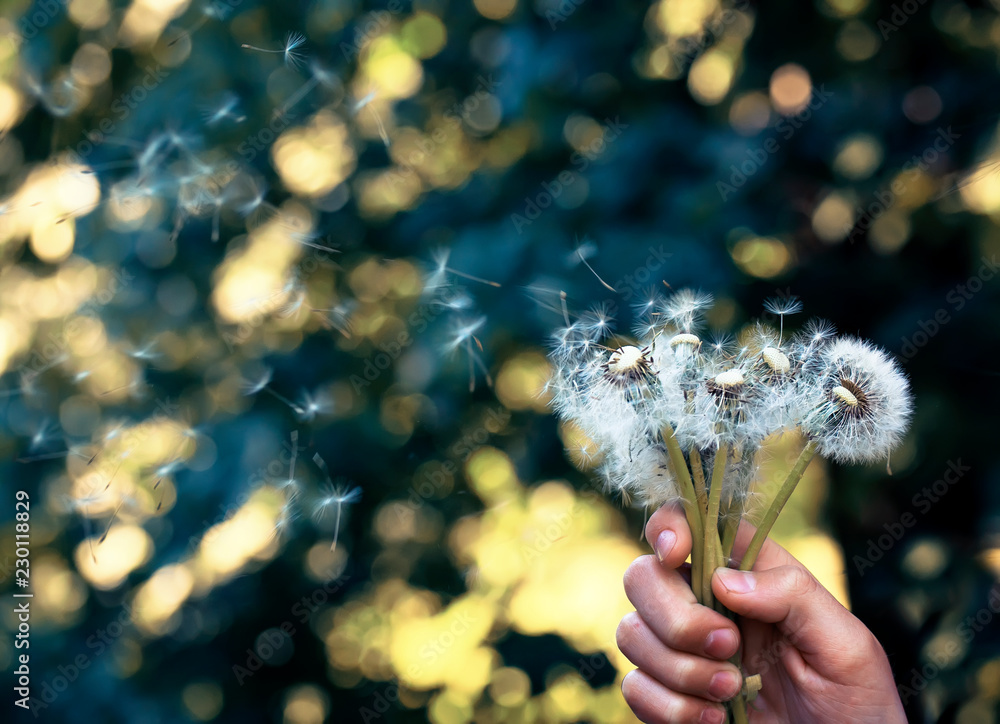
<point x="736" y="581"/>
<point x="721" y="643"/>
<point x="665" y="543"/>
<point x="724" y="685"/>
<point x="712" y="716"/>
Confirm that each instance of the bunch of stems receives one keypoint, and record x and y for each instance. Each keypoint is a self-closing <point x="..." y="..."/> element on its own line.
<point x="714" y="523"/>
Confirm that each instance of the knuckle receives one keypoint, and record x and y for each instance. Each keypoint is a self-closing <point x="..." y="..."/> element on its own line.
<point x="797" y="581"/>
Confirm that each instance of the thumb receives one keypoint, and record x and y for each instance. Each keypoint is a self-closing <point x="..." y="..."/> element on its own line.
<point x="808" y="615"/>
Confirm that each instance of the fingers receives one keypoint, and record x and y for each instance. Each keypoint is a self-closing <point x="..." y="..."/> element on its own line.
<point x="805" y="612"/>
<point x="655" y="704"/>
<point x="677" y="671"/>
<point x="666" y="603"/>
<point x="668" y="534"/>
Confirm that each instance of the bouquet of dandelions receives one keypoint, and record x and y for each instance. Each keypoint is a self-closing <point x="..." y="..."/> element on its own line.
<point x="675" y="419"/>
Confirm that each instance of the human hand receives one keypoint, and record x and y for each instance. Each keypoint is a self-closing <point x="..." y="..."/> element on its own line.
<point x="818" y="662"/>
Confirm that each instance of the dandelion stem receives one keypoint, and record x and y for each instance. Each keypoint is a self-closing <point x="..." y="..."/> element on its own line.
<point x="730" y="528"/>
<point x="699" y="478"/>
<point x="713" y="554"/>
<point x="782" y="496"/>
<point x="691" y="508"/>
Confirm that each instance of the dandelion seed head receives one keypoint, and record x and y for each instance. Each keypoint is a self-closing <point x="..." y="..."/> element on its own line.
<point x="686" y="339"/>
<point x="860" y="402"/>
<point x="730" y="378"/>
<point x="628" y="362"/>
<point x="776" y="359"/>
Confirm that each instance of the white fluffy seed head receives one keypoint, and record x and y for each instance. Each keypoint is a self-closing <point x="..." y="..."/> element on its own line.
<point x="776" y="360"/>
<point x="626" y="360"/>
<point x="685" y="338"/>
<point x="861" y="402"/>
<point x="844" y="396"/>
<point x="729" y="378"/>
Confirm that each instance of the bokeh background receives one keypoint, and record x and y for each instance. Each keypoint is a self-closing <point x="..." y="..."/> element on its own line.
<point x="217" y="263"/>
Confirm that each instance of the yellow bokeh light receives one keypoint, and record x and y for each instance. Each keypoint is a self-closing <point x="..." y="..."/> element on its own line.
<point x="858" y="156"/>
<point x="844" y="8"/>
<point x="750" y="113"/>
<point x="11" y="106"/>
<point x="228" y="546"/>
<point x="424" y="35"/>
<point x="711" y="77"/>
<point x="91" y="64"/>
<point x="491" y="474"/>
<point x="52" y="243"/>
<point x="762" y="257"/>
<point x="203" y="700"/>
<point x="790" y="89"/>
<point x="160" y="597"/>
<point x="521" y="382"/>
<point x="833" y="218"/>
<point x="495" y="9"/>
<point x="680" y="18"/>
<point x="856" y="41"/>
<point x="306" y="704"/>
<point x="510" y="686"/>
<point x="890" y="232"/>
<point x="146" y="19"/>
<point x="89" y="14"/>
<point x="106" y="565"/>
<point x="388" y="70"/>
<point x="315" y="158"/>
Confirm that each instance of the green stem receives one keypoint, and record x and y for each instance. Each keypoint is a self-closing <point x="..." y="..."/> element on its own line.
<point x="699" y="478"/>
<point x="782" y="496"/>
<point x="713" y="547"/>
<point x="730" y="528"/>
<point x="690" y="500"/>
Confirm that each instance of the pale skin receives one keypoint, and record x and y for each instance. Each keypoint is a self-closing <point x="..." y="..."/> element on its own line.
<point x="818" y="662"/>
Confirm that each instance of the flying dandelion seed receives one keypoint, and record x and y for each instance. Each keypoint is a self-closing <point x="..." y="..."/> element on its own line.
<point x="252" y="385"/>
<point x="226" y="108"/>
<point x="312" y="405"/>
<point x="334" y="496"/>
<point x="112" y="521"/>
<point x="783" y="306"/>
<point x="290" y="51"/>
<point x="590" y="248"/>
<point x="366" y="102"/>
<point x="439" y="275"/>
